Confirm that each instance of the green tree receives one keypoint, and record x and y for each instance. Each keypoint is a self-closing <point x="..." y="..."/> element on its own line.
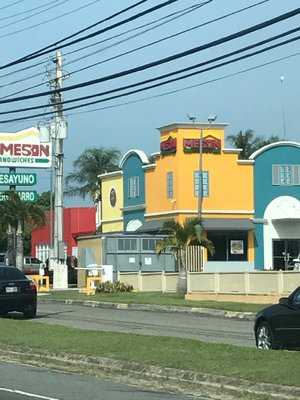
<point x="44" y="200"/>
<point x="83" y="181"/>
<point x="249" y="143"/>
<point x="15" y="216"/>
<point x="179" y="238"/>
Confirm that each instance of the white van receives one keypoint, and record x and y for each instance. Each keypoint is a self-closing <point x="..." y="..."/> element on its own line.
<point x="32" y="266"/>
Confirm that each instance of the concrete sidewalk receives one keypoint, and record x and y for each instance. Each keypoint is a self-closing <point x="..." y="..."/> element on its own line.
<point x="155" y="307"/>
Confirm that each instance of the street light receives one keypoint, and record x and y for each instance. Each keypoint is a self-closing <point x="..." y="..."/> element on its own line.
<point x="282" y="107"/>
<point x="211" y="118"/>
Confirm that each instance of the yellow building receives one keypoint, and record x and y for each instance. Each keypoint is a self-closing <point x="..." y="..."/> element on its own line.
<point x="226" y="204"/>
<point x="110" y="214"/>
<point x="193" y="174"/>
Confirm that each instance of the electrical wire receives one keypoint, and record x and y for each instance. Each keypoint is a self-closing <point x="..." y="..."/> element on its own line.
<point x="34" y="14"/>
<point x="149" y="44"/>
<point x="124" y="10"/>
<point x="27" y="11"/>
<point x="10" y="5"/>
<point x="168" y="59"/>
<point x="167" y="75"/>
<point x="91" y="35"/>
<point x="49" y="20"/>
<point x="175" y="91"/>
<point x="124" y="53"/>
<point x="74" y="34"/>
<point x="159" y="84"/>
<point x="172" y="17"/>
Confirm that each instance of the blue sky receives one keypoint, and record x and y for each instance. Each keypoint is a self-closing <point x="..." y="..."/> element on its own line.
<point x="250" y="100"/>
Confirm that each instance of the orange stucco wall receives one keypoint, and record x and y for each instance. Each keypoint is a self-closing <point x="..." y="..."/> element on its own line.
<point x="230" y="183"/>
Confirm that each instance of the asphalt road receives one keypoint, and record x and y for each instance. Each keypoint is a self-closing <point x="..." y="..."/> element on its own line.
<point x="210" y="329"/>
<point x="19" y="382"/>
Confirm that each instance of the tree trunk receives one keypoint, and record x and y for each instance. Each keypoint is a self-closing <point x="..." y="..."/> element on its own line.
<point x="182" y="274"/>
<point x="20" y="249"/>
<point x="10" y="245"/>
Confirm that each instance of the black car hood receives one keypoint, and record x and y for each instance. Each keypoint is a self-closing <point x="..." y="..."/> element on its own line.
<point x="271" y="310"/>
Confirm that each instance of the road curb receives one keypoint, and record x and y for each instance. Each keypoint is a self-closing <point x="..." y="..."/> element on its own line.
<point x="157" y="308"/>
<point x="189" y="382"/>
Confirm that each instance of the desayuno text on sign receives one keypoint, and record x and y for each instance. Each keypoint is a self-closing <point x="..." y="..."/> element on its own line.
<point x="24" y="149"/>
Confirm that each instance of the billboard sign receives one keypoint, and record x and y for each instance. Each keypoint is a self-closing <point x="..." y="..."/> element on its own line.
<point x="17" y="179"/>
<point x="25" y="195"/>
<point x="24" y="149"/>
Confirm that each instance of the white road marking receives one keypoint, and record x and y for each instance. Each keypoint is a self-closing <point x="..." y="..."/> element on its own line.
<point x="36" y="396"/>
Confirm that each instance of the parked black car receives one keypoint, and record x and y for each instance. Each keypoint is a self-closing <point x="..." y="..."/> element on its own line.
<point x="278" y="326"/>
<point x="17" y="292"/>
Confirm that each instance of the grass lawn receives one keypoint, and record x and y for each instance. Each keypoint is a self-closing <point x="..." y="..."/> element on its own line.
<point x="232" y="361"/>
<point x="168" y="299"/>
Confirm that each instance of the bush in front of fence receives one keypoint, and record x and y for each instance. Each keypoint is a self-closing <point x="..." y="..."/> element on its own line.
<point x="113" y="287"/>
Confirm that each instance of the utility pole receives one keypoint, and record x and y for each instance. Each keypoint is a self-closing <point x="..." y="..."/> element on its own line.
<point x="58" y="133"/>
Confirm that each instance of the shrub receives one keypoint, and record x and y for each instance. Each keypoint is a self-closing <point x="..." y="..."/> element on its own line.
<point x="113" y="287"/>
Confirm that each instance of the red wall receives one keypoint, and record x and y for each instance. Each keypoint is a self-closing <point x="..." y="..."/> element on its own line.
<point x="77" y="220"/>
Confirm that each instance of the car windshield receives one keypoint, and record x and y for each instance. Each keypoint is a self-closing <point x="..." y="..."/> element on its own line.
<point x="7" y="273"/>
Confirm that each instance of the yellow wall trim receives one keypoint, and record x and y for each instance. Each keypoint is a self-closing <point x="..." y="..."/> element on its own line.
<point x="174" y="212"/>
<point x="104" y="221"/>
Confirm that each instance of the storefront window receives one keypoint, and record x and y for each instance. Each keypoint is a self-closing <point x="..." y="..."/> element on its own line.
<point x="229" y="246"/>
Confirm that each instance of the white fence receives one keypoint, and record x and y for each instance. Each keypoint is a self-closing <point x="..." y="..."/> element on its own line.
<point x="243" y="283"/>
<point x="258" y="282"/>
<point x="150" y="282"/>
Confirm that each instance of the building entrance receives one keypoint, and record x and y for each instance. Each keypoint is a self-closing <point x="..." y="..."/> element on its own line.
<point x="284" y="252"/>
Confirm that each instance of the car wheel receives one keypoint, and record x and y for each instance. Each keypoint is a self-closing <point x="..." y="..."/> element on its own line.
<point x="30" y="311"/>
<point x="264" y="337"/>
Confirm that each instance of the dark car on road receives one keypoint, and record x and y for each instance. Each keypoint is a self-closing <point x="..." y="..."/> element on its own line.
<point x="17" y="292"/>
<point x="278" y="326"/>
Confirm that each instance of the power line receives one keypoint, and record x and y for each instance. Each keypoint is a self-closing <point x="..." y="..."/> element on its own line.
<point x="154" y="42"/>
<point x="128" y="52"/>
<point x="49" y="20"/>
<point x="176" y="56"/>
<point x="10" y="5"/>
<point x="130" y="30"/>
<point x="194" y="7"/>
<point x="124" y="10"/>
<point x="127" y="20"/>
<point x="160" y="77"/>
<point x="165" y="20"/>
<point x="161" y="83"/>
<point x="175" y="91"/>
<point x="32" y="15"/>
<point x="27" y="11"/>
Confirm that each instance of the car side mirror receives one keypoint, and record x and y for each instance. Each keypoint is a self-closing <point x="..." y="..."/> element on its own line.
<point x="283" y="300"/>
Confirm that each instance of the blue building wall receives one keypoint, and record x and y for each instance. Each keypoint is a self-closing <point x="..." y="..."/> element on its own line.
<point x="265" y="192"/>
<point x="133" y="167"/>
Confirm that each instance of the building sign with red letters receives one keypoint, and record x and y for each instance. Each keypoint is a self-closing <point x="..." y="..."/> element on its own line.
<point x="210" y="144"/>
<point x="168" y="146"/>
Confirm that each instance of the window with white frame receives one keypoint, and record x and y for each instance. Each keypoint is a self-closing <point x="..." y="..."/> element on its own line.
<point x="198" y="190"/>
<point x="170" y="183"/>
<point x="286" y="175"/>
<point x="133" y="187"/>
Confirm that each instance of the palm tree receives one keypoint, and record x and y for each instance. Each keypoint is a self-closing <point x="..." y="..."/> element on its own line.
<point x="249" y="143"/>
<point x="92" y="162"/>
<point x="180" y="237"/>
<point x="14" y="215"/>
